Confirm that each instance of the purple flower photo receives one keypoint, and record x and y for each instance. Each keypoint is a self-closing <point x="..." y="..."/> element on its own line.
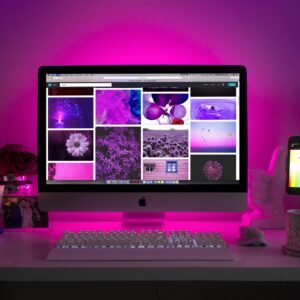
<point x="118" y="153"/>
<point x="70" y="145"/>
<point x="165" y="143"/>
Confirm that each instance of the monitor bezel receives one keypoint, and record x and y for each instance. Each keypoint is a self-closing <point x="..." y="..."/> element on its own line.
<point x="135" y="69"/>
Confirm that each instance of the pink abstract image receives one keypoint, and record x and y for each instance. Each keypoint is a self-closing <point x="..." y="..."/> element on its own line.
<point x="118" y="106"/>
<point x="70" y="171"/>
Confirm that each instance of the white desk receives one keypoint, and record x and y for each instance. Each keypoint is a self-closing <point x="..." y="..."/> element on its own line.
<point x="23" y="258"/>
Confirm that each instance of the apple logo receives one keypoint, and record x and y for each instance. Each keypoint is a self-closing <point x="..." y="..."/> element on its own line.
<point x="142" y="202"/>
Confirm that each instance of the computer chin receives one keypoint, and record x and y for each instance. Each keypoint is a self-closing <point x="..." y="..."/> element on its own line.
<point x="148" y="202"/>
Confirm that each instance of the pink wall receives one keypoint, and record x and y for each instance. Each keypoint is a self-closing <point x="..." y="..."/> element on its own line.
<point x="260" y="35"/>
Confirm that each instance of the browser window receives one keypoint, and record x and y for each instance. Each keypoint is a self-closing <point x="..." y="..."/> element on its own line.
<point x="143" y="128"/>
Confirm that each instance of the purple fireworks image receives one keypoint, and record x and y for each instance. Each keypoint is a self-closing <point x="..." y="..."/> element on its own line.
<point x="165" y="143"/>
<point x="118" y="153"/>
<point x="213" y="170"/>
<point x="70" y="112"/>
<point x="118" y="106"/>
<point x="213" y="109"/>
<point x="165" y="108"/>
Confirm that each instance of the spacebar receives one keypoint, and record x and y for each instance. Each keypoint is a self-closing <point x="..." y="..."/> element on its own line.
<point x="142" y="254"/>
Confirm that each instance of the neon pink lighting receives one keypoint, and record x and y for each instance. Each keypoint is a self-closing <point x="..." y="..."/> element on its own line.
<point x="197" y="36"/>
<point x="229" y="228"/>
<point x="193" y="32"/>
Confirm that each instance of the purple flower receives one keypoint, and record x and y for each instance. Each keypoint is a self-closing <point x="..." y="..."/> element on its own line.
<point x="118" y="153"/>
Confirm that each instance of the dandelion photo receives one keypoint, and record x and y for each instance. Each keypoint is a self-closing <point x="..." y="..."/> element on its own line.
<point x="213" y="168"/>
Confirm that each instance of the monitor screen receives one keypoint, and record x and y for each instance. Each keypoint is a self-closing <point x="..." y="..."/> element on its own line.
<point x="139" y="128"/>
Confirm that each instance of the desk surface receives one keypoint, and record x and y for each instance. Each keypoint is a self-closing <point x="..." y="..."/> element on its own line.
<point x="23" y="258"/>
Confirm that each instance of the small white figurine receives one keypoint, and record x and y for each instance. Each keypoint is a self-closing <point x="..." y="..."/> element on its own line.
<point x="267" y="190"/>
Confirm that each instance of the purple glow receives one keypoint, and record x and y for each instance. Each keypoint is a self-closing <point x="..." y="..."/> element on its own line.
<point x="213" y="137"/>
<point x="199" y="40"/>
<point x="202" y="35"/>
<point x="227" y="224"/>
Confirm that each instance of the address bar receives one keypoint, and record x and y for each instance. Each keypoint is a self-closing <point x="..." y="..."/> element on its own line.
<point x="163" y="77"/>
<point x="88" y="84"/>
<point x="121" y="77"/>
<point x="142" y="77"/>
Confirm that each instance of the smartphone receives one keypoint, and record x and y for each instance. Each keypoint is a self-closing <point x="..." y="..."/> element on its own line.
<point x="293" y="166"/>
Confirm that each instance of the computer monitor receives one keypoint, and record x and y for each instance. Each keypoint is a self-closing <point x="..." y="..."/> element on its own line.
<point x="142" y="138"/>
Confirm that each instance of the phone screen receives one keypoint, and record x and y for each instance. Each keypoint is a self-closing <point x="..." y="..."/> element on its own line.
<point x="294" y="173"/>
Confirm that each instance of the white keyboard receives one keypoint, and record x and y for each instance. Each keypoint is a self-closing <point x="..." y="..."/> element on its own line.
<point x="142" y="245"/>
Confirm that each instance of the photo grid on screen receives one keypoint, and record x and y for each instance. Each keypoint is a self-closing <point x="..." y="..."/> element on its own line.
<point x="143" y="134"/>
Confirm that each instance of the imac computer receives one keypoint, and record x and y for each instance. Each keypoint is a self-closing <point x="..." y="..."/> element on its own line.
<point x="142" y="138"/>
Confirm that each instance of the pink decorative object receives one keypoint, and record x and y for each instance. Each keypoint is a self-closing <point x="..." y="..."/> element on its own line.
<point x="267" y="189"/>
